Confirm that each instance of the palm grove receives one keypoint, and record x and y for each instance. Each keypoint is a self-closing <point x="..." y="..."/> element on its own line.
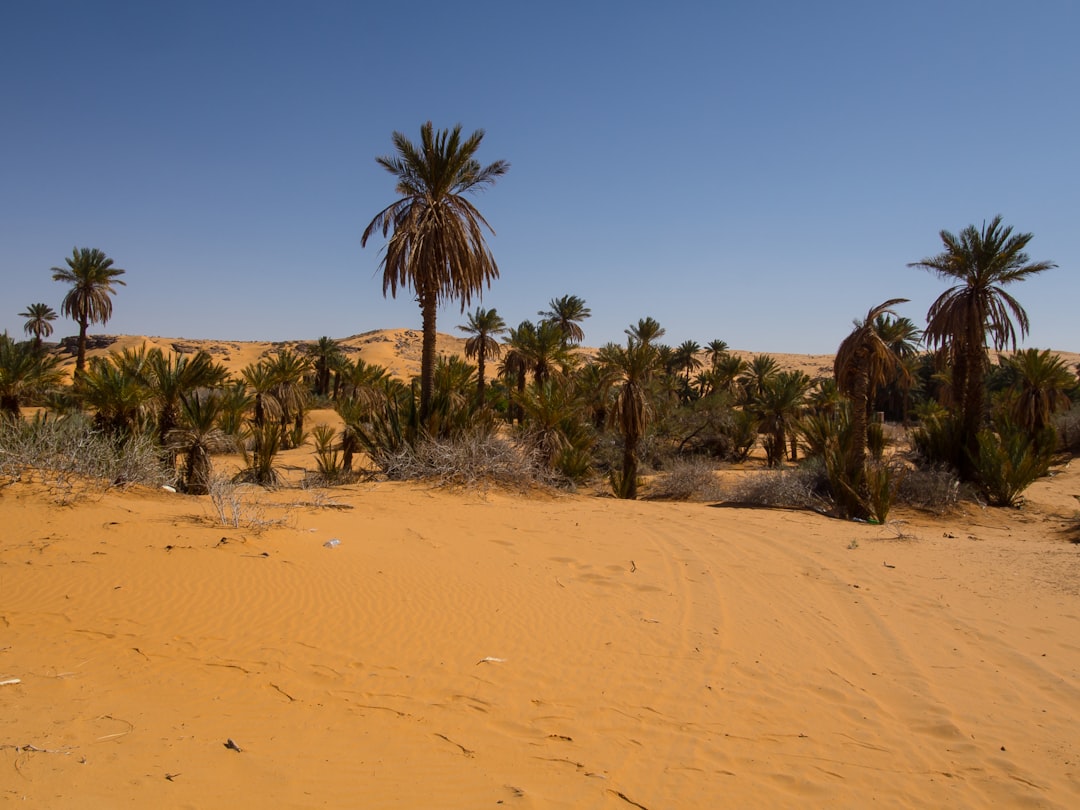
<point x="526" y="403"/>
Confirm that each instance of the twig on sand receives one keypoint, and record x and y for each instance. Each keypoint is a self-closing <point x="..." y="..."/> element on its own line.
<point x="35" y="750"/>
<point x="627" y="799"/>
<point x="491" y="659"/>
<point x="466" y="751"/>
<point x="286" y="694"/>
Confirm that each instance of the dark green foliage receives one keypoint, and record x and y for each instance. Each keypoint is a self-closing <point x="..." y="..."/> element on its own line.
<point x="260" y="453"/>
<point x="1009" y="461"/>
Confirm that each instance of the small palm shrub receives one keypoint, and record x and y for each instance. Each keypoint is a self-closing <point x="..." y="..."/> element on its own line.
<point x="327" y="458"/>
<point x="876" y="440"/>
<point x="937" y="440"/>
<point x="260" y="453"/>
<point x="1010" y="461"/>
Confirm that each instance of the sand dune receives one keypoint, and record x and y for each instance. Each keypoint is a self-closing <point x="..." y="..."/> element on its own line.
<point x="464" y="650"/>
<point x="398" y="350"/>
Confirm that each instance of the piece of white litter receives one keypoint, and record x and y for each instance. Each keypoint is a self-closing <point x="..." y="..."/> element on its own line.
<point x="491" y="660"/>
<point x="167" y="488"/>
<point x="10" y="682"/>
<point x="332" y="543"/>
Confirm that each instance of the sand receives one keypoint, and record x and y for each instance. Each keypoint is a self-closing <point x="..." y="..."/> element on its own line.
<point x="486" y="649"/>
<point x="466" y="650"/>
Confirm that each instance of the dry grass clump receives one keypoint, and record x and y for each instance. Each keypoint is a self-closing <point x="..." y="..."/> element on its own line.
<point x="935" y="490"/>
<point x="686" y="480"/>
<point x="472" y="460"/>
<point x="71" y="458"/>
<point x="804" y="487"/>
<point x="236" y="505"/>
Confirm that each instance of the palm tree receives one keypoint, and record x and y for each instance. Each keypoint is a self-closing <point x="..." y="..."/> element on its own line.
<point x="568" y="312"/>
<point x="24" y="371"/>
<point x="982" y="261"/>
<point x="862" y="363"/>
<point x="325" y="353"/>
<point x="777" y="407"/>
<point x="39" y="318"/>
<point x="261" y="383"/>
<point x="647" y="330"/>
<point x="756" y="374"/>
<point x="483" y="326"/>
<point x="727" y="371"/>
<point x="1039" y="382"/>
<point x="91" y="275"/>
<point x="540" y="347"/>
<point x="287" y="368"/>
<point x="634" y="366"/>
<point x="686" y="359"/>
<point x="902" y="337"/>
<point x="172" y="377"/>
<point x="437" y="246"/>
<point x="198" y="437"/>
<point x="718" y="350"/>
<point x="116" y="391"/>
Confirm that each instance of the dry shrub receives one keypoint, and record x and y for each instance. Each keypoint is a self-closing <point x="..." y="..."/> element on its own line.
<point x="805" y="487"/>
<point x="475" y="459"/>
<point x="935" y="490"/>
<point x="71" y="458"/>
<point x="686" y="480"/>
<point x="236" y="505"/>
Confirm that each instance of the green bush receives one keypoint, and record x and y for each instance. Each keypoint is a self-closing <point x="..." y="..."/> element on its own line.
<point x="1010" y="461"/>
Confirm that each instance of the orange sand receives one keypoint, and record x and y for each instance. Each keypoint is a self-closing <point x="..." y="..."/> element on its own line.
<point x="468" y="650"/>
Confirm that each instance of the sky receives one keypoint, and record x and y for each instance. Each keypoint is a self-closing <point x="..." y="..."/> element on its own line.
<point x="760" y="173"/>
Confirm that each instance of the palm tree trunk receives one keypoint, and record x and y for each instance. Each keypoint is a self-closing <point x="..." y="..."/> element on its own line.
<point x="427" y="357"/>
<point x="80" y="357"/>
<point x="857" y="454"/>
<point x="971" y="413"/>
<point x="480" y="378"/>
<point x="629" y="468"/>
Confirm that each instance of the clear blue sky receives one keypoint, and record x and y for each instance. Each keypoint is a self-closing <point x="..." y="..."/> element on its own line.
<point x="756" y="172"/>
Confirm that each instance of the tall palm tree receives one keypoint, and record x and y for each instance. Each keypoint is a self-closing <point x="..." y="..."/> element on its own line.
<point x="633" y="368"/>
<point x="483" y="326"/>
<point x="862" y="363"/>
<point x="647" y="330"/>
<point x="718" y="350"/>
<point x="437" y="244"/>
<point x="39" y="318"/>
<point x="91" y="275"/>
<point x="686" y="358"/>
<point x="982" y="262"/>
<point x="568" y="312"/>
